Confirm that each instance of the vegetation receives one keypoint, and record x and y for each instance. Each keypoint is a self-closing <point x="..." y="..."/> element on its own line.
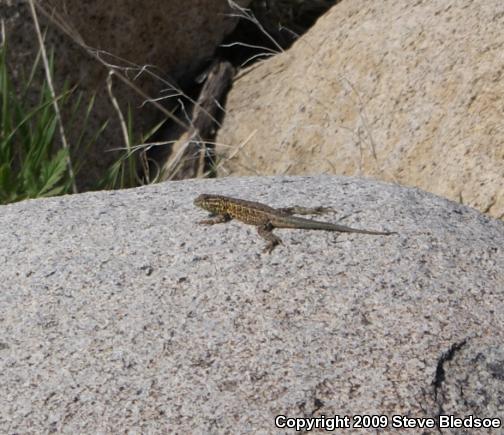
<point x="32" y="165"/>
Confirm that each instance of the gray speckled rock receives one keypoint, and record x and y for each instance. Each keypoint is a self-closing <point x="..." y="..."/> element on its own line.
<point x="118" y="312"/>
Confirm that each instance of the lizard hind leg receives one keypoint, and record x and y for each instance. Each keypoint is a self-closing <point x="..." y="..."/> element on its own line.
<point x="266" y="232"/>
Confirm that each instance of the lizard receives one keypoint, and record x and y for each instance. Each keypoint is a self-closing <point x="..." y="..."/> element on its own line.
<point x="266" y="218"/>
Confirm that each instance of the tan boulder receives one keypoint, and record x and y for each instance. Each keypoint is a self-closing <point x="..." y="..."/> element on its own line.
<point x="403" y="91"/>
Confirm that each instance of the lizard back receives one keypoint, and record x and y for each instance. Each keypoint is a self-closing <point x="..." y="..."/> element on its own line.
<point x="248" y="212"/>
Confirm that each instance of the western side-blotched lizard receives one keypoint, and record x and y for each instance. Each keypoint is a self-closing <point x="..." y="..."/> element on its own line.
<point x="224" y="208"/>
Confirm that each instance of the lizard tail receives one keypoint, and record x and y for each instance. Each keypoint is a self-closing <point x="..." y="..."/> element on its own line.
<point x="308" y="224"/>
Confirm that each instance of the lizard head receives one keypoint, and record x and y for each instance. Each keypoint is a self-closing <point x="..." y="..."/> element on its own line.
<point x="211" y="203"/>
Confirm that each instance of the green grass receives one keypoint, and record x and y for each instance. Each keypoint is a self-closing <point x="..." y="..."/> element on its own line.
<point x="131" y="169"/>
<point x="32" y="164"/>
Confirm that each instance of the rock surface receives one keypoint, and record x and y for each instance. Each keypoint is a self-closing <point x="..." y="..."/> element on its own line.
<point x="118" y="313"/>
<point x="403" y="91"/>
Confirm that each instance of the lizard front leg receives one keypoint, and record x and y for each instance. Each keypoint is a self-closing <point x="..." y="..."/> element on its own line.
<point x="266" y="232"/>
<point x="217" y="219"/>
